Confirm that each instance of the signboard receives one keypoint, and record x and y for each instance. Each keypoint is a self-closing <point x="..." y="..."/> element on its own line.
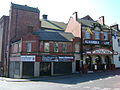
<point x="105" y="42"/>
<point x="102" y="51"/>
<point x="28" y="58"/>
<point x="50" y="58"/>
<point x="57" y="58"/>
<point x="92" y="42"/>
<point x="65" y="58"/>
<point x="97" y="42"/>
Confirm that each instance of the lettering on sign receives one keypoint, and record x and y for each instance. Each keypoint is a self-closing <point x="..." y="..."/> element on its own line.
<point x="92" y="42"/>
<point x="57" y="58"/>
<point x="97" y="42"/>
<point x="102" y="51"/>
<point x="28" y="58"/>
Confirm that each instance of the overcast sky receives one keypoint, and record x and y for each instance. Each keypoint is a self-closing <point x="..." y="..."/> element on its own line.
<point x="61" y="10"/>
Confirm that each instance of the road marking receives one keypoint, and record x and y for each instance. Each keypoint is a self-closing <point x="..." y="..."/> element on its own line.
<point x="96" y="88"/>
<point x="116" y="89"/>
<point x="86" y="87"/>
<point x="106" y="89"/>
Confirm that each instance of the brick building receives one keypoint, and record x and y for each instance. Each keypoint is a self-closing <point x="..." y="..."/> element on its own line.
<point x="96" y="43"/>
<point x="43" y="53"/>
<point x="38" y="47"/>
<point x="3" y="43"/>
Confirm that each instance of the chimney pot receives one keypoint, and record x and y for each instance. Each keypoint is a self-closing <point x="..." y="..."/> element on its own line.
<point x="45" y="16"/>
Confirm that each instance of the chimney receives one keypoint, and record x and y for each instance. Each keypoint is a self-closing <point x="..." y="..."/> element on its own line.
<point x="101" y="20"/>
<point x="44" y="16"/>
<point x="76" y="15"/>
<point x="115" y="27"/>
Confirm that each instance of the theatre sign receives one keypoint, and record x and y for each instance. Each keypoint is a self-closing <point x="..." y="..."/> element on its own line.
<point x="102" y="51"/>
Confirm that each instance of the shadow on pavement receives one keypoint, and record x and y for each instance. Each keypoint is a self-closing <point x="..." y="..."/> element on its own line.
<point x="77" y="78"/>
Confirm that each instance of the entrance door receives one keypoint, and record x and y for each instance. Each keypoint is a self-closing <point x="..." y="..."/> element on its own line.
<point x="108" y="62"/>
<point x="45" y="68"/>
<point x="62" y="68"/>
<point x="28" y="69"/>
<point x="88" y="61"/>
<point x="98" y="61"/>
<point x="77" y="65"/>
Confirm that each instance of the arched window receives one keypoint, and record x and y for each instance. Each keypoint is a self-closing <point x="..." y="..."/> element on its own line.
<point x="87" y="35"/>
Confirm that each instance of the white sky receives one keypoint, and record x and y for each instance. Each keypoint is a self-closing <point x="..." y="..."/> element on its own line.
<point x="61" y="10"/>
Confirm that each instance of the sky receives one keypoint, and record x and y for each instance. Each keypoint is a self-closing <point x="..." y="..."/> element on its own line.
<point x="61" y="10"/>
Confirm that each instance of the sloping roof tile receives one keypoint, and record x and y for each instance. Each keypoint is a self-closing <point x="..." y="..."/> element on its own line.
<point x="54" y="36"/>
<point x="25" y="7"/>
<point x="48" y="24"/>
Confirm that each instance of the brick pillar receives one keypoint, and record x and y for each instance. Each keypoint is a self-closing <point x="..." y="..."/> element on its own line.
<point x="101" y="36"/>
<point x="93" y="36"/>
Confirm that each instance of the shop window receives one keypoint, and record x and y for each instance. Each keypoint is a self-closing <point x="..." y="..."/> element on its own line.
<point x="119" y="42"/>
<point x="46" y="47"/>
<point x="105" y="35"/>
<point x="19" y="47"/>
<point x="87" y="35"/>
<point x="29" y="47"/>
<point x="55" y="47"/>
<point x="64" y="48"/>
<point x="77" y="47"/>
<point x="97" y="35"/>
<point x="119" y="58"/>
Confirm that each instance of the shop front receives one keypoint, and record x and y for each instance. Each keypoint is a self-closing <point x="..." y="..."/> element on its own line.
<point x="56" y="65"/>
<point x="99" y="60"/>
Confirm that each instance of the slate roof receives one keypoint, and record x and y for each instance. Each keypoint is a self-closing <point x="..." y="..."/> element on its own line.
<point x="49" y="25"/>
<point x="87" y="21"/>
<point x="54" y="36"/>
<point x="25" y="7"/>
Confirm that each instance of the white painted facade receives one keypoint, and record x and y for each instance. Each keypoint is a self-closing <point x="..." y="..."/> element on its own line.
<point x="116" y="47"/>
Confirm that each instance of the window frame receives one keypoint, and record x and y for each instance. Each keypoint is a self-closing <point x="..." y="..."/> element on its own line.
<point x="46" y="47"/>
<point x="87" y="35"/>
<point x="64" y="49"/>
<point x="97" y="35"/>
<point x="29" y="47"/>
<point x="106" y="34"/>
<point x="77" y="44"/>
<point x="56" y="47"/>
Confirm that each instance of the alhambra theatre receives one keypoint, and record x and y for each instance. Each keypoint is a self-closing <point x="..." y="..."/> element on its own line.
<point x="96" y="43"/>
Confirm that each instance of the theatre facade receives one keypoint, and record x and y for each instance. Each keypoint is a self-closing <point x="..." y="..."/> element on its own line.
<point x="96" y="43"/>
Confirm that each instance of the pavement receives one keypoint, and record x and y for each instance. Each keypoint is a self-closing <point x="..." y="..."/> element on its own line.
<point x="83" y="77"/>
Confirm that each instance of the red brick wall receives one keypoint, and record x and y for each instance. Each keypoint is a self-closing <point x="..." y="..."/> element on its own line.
<point x="59" y="47"/>
<point x="51" y="47"/>
<point x="33" y="39"/>
<point x="20" y="20"/>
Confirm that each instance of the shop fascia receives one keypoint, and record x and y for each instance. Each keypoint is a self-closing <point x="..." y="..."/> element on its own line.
<point x="100" y="51"/>
<point x="97" y="42"/>
<point x="28" y="58"/>
<point x="57" y="58"/>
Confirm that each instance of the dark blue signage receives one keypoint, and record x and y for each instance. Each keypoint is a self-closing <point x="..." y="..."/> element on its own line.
<point x="92" y="42"/>
<point x="97" y="42"/>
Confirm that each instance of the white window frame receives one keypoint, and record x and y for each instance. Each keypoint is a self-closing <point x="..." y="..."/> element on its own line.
<point x="29" y="47"/>
<point x="46" y="46"/>
<point x="55" y="47"/>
